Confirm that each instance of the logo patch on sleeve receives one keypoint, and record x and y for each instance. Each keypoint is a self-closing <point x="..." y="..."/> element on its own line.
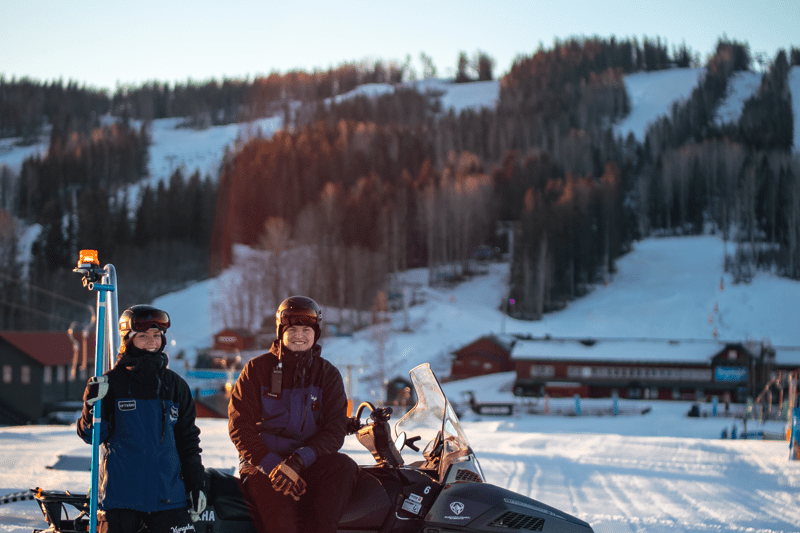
<point x="126" y="405"/>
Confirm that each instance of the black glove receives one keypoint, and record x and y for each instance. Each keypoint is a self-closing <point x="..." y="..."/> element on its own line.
<point x="285" y="477"/>
<point x="96" y="389"/>
<point x="197" y="504"/>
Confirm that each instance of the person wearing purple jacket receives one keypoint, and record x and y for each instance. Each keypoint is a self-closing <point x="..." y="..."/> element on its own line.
<point x="287" y="418"/>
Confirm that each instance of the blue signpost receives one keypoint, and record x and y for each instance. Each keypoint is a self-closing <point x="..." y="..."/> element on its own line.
<point x="102" y="280"/>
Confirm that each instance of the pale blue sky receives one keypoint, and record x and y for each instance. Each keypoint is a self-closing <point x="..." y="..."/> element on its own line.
<point x="102" y="43"/>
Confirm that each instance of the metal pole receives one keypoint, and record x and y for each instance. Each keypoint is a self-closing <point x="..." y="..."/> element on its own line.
<point x="101" y="280"/>
<point x="100" y="349"/>
<point x="96" y="409"/>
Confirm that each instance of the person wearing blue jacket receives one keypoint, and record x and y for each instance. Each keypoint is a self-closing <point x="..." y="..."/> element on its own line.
<point x="151" y="473"/>
<point x="287" y="417"/>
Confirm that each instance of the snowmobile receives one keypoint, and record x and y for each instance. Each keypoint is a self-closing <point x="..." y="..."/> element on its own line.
<point x="440" y="489"/>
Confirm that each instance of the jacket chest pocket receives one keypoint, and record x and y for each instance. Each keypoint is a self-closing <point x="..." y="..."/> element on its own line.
<point x="271" y="405"/>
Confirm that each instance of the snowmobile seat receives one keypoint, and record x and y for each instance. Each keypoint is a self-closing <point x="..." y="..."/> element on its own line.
<point x="226" y="496"/>
<point x="368" y="506"/>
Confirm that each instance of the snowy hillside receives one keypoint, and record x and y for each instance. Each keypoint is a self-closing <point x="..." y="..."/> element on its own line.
<point x="455" y="96"/>
<point x="198" y="149"/>
<point x="794" y="88"/>
<point x="742" y="86"/>
<point x="652" y="95"/>
<point x="666" y="288"/>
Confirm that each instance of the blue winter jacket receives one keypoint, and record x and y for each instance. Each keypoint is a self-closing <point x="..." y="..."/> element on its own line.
<point x="150" y="452"/>
<point x="307" y="416"/>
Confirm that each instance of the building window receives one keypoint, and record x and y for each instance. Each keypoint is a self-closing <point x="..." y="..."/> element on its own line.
<point x="82" y="373"/>
<point x="542" y="371"/>
<point x="60" y="374"/>
<point x="7" y="374"/>
<point x="487" y="366"/>
<point x="47" y="377"/>
<point x="676" y="393"/>
<point x="25" y="374"/>
<point x="699" y="394"/>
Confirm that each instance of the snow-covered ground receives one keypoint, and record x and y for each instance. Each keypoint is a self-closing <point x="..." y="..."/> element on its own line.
<point x="741" y="86"/>
<point x="794" y="88"/>
<point x="12" y="155"/>
<point x="201" y="150"/>
<point x="172" y="147"/>
<point x="652" y="95"/>
<point x="657" y="473"/>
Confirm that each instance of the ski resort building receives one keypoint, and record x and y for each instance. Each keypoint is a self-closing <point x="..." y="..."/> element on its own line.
<point x="42" y="373"/>
<point x="665" y="370"/>
<point x="233" y="347"/>
<point x="485" y="355"/>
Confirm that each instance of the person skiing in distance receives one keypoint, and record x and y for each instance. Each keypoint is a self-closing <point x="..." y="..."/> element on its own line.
<point x="287" y="418"/>
<point x="151" y="473"/>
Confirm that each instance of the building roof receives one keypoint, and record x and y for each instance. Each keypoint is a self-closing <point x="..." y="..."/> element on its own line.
<point x="699" y="352"/>
<point x="787" y="356"/>
<point x="238" y="331"/>
<point x="47" y="347"/>
<point x="504" y="342"/>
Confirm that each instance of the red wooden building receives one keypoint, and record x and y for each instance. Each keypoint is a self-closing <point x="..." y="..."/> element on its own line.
<point x="485" y="355"/>
<point x="233" y="339"/>
<point x="677" y="370"/>
<point x="42" y="372"/>
<point x="233" y="347"/>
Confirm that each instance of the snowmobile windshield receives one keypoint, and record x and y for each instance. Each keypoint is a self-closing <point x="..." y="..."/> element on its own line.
<point x="434" y="421"/>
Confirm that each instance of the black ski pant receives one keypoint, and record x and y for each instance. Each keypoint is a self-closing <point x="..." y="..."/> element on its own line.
<point x="330" y="482"/>
<point x="129" y="521"/>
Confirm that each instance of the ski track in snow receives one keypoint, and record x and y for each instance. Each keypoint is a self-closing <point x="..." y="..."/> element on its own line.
<point x="620" y="483"/>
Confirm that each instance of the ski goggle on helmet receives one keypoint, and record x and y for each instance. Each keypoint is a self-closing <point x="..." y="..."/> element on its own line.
<point x="298" y="311"/>
<point x="141" y="318"/>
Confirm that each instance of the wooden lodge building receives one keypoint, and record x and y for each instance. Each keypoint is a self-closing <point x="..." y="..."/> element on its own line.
<point x="42" y="372"/>
<point x="665" y="370"/>
<point x="485" y="355"/>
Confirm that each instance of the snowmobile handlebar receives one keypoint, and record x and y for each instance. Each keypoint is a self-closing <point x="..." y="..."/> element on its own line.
<point x="375" y="436"/>
<point x="378" y="414"/>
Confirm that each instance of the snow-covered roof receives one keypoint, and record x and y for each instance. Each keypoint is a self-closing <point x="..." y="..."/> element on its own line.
<point x="699" y="352"/>
<point x="787" y="356"/>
